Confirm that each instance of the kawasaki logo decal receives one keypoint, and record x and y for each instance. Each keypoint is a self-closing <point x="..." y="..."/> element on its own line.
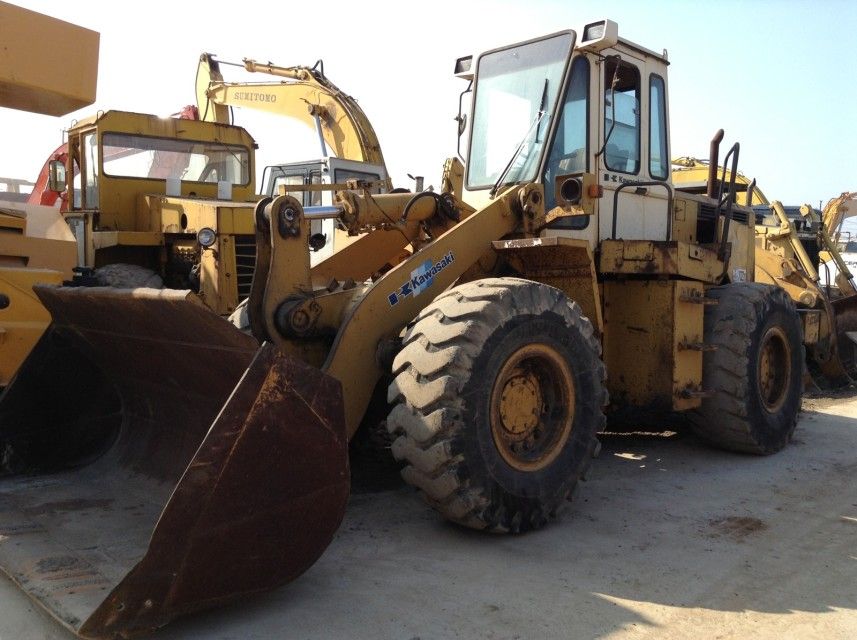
<point x="421" y="279"/>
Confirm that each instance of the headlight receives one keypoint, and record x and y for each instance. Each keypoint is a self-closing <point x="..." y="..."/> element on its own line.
<point x="206" y="237"/>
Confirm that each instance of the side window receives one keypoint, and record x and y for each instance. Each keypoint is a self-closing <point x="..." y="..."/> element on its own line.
<point x="569" y="151"/>
<point x="291" y="179"/>
<point x="621" y="116"/>
<point x="90" y="182"/>
<point x="341" y="175"/>
<point x="314" y="196"/>
<point x="658" y="160"/>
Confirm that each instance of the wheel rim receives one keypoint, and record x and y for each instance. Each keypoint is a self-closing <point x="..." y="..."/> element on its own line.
<point x="774" y="369"/>
<point x="532" y="407"/>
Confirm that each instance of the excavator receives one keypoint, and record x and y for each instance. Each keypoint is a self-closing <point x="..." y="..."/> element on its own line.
<point x="693" y="174"/>
<point x="303" y="93"/>
<point x="556" y="279"/>
<point x="349" y="146"/>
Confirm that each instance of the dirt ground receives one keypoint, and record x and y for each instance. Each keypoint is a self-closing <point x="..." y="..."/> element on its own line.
<point x="667" y="539"/>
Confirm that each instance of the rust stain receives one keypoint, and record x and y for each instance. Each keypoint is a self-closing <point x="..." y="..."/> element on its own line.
<point x="736" y="527"/>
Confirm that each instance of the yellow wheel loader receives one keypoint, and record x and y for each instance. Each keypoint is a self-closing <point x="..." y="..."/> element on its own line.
<point x="556" y="280"/>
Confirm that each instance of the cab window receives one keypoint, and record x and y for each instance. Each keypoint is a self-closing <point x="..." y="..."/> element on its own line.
<point x="340" y="175"/>
<point x="621" y="116"/>
<point x="658" y="160"/>
<point x="570" y="149"/>
<point x="293" y="179"/>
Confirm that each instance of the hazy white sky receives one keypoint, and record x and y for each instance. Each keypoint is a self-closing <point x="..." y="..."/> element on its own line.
<point x="777" y="75"/>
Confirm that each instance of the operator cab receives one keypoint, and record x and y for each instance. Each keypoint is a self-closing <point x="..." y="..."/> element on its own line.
<point x="584" y="113"/>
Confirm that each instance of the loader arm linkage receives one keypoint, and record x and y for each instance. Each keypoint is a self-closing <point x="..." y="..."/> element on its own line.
<point x="376" y="313"/>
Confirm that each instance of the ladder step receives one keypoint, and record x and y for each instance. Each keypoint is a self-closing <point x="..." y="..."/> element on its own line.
<point x="696" y="393"/>
<point x="693" y="299"/>
<point x="696" y="346"/>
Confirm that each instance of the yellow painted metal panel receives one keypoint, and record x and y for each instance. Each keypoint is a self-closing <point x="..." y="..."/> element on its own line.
<point x="24" y="319"/>
<point x="565" y="263"/>
<point x="652" y="343"/>
<point x="104" y="239"/>
<point x="46" y="65"/>
<point x="645" y="257"/>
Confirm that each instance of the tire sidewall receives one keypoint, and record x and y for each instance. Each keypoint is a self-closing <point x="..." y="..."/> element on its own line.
<point x="773" y="429"/>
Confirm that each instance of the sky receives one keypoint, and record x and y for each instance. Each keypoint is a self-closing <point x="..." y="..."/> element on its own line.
<point x="777" y="76"/>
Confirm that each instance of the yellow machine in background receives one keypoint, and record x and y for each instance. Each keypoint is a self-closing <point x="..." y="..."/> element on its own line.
<point x="169" y="202"/>
<point x="692" y="175"/>
<point x="46" y="79"/>
<point x="164" y="202"/>
<point x="797" y="250"/>
<point x="558" y="280"/>
<point x="303" y="93"/>
<point x="35" y="244"/>
<point x="349" y="146"/>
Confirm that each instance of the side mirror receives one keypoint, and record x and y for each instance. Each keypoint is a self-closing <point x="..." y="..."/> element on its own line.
<point x="56" y="176"/>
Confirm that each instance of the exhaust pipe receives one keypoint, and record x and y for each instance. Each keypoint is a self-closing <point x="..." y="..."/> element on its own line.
<point x="713" y="159"/>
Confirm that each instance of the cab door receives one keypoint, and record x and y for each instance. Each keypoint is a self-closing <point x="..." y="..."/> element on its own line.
<point x="632" y="148"/>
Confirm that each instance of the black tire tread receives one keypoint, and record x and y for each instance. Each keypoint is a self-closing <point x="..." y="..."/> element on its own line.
<point x="724" y="419"/>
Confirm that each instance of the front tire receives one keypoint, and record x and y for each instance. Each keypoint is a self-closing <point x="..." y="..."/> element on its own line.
<point x="498" y="394"/>
<point x="756" y="370"/>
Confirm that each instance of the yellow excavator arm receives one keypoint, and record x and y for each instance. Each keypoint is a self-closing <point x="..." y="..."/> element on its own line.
<point x="836" y="210"/>
<point x="305" y="94"/>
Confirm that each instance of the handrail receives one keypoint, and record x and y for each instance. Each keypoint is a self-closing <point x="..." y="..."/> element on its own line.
<point x="729" y="198"/>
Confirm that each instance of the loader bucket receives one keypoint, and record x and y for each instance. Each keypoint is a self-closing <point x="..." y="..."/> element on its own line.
<point x="157" y="461"/>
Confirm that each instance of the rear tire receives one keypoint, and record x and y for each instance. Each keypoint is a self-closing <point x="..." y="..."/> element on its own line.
<point x="846" y="322"/>
<point x="498" y="394"/>
<point x="756" y="370"/>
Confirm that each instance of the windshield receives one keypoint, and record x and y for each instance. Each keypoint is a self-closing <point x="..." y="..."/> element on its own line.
<point x="516" y="93"/>
<point x="133" y="156"/>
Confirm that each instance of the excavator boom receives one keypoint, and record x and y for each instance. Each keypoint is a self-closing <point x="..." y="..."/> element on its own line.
<point x="304" y="93"/>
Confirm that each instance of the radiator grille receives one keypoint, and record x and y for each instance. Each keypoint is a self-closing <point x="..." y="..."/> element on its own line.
<point x="245" y="264"/>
